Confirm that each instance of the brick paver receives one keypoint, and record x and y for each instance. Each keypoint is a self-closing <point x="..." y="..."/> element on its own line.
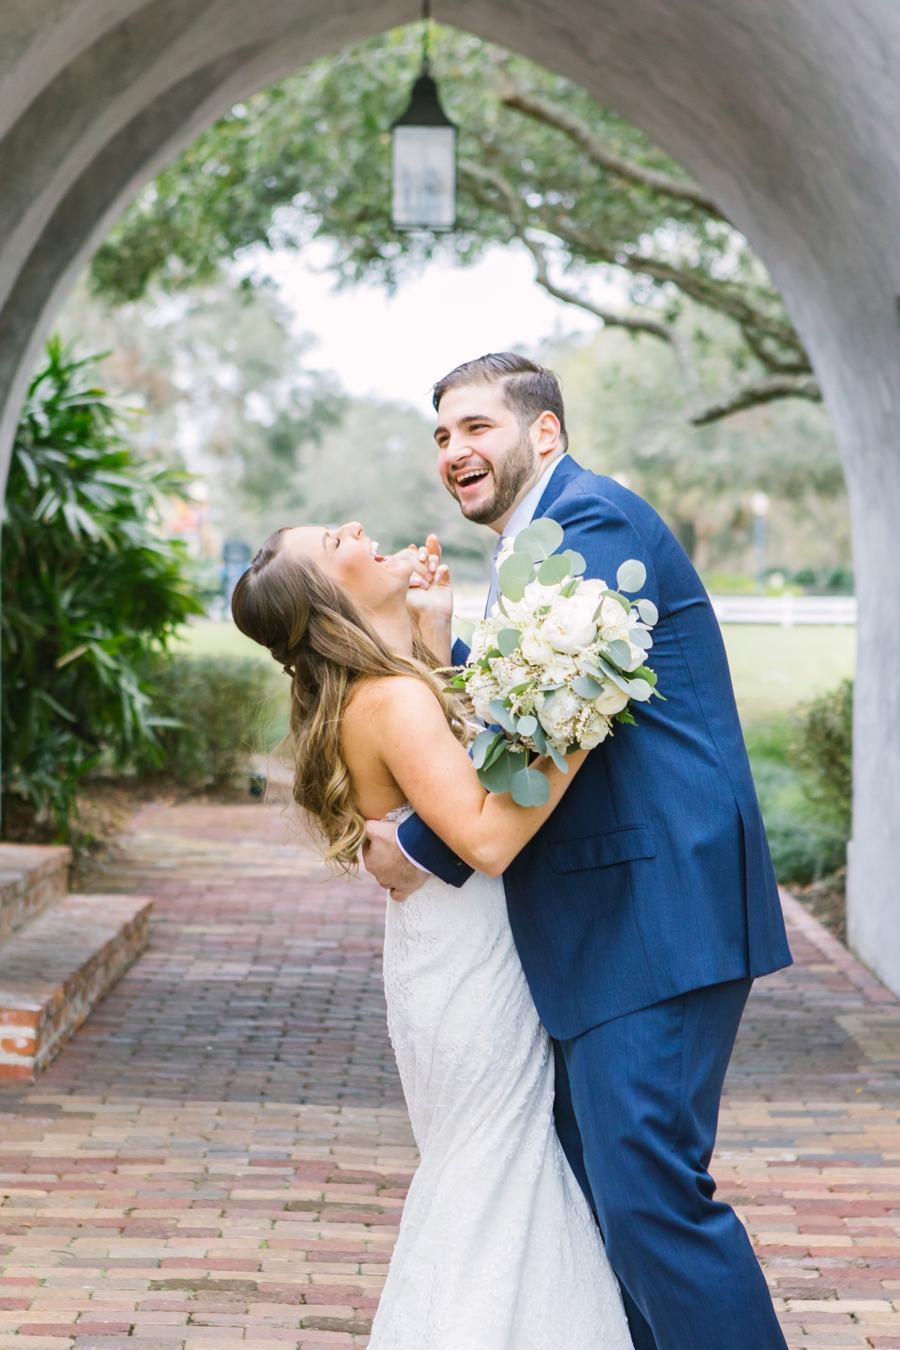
<point x="220" y="1155"/>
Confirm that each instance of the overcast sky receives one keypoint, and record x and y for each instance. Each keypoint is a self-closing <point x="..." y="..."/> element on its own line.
<point x="397" y="347"/>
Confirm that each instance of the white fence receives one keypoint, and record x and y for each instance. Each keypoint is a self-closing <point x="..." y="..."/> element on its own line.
<point x="784" y="611"/>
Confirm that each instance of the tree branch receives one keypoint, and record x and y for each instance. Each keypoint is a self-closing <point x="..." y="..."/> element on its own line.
<point x="754" y="395"/>
<point x="631" y="322"/>
<point x="600" y="154"/>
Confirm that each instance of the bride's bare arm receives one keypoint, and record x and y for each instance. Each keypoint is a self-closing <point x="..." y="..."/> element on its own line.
<point x="398" y="724"/>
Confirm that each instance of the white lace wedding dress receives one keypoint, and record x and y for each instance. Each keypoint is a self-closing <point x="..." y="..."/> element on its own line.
<point x="498" y="1249"/>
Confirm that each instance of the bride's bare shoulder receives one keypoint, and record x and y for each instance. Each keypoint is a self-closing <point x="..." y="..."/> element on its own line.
<point x="379" y="698"/>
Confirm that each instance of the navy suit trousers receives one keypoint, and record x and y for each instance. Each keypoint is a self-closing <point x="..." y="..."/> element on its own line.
<point x="637" y="1103"/>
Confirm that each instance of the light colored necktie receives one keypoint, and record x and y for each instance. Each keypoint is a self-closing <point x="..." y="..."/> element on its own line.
<point x="495" y="583"/>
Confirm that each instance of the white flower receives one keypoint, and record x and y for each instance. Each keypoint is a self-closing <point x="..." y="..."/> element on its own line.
<point x="554" y="718"/>
<point x="509" y="673"/>
<point x="594" y="729"/>
<point x="570" y="624"/>
<point x="558" y="669"/>
<point x="534" y="647"/>
<point x="611" y="701"/>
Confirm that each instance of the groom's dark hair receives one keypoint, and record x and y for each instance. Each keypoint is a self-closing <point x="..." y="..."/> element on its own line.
<point x="528" y="389"/>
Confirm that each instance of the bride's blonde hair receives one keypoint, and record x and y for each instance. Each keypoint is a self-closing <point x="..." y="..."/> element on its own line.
<point x="315" y="632"/>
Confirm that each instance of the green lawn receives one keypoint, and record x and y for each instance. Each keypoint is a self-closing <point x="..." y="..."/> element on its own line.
<point x="773" y="669"/>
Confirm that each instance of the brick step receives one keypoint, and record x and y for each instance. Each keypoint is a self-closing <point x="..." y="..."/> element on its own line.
<point x="32" y="878"/>
<point x="58" y="968"/>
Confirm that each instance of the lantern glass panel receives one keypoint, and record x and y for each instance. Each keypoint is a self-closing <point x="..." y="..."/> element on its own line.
<point x="424" y="195"/>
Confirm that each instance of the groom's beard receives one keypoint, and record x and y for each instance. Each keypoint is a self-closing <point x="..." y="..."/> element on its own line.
<point x="509" y="477"/>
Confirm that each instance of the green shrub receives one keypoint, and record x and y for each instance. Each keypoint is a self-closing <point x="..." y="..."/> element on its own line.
<point x="803" y="774"/>
<point x="822" y="751"/>
<point x="89" y="584"/>
<point x="219" y="711"/>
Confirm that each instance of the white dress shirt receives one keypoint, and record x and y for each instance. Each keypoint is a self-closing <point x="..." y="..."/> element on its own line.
<point x="520" y="519"/>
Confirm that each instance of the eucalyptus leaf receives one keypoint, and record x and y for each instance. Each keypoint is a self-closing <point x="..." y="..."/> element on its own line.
<point x="555" y="569"/>
<point x="622" y="600"/>
<point x="586" y="687"/>
<point x="645" y="673"/>
<point x="500" y="747"/>
<point x="641" y="638"/>
<point x="508" y="640"/>
<point x="577" y="561"/>
<point x="482" y="745"/>
<point x="464" y="629"/>
<point x="558" y="759"/>
<point x="502" y="716"/>
<point x="514" y="575"/>
<point x="640" y="690"/>
<point x="648" y="612"/>
<point x="542" y="538"/>
<point x="631" y="576"/>
<point x="612" y="674"/>
<point x="496" y="777"/>
<point x="618" y="652"/>
<point x="529" y="787"/>
<point x="527" y="725"/>
<point x="538" y="737"/>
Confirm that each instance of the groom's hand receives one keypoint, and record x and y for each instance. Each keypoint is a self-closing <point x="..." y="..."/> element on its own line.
<point x="389" y="865"/>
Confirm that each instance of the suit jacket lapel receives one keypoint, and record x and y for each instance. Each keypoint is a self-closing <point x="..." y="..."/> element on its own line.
<point x="563" y="474"/>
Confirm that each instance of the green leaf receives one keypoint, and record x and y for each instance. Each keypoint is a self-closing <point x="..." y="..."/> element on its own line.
<point x="625" y="718"/>
<point x="614" y="595"/>
<point x="538" y="737"/>
<point x="648" y="612"/>
<point x="514" y="575"/>
<point x="527" y="725"/>
<point x="496" y="777"/>
<point x="484" y="742"/>
<point x="645" y="673"/>
<point x="611" y="673"/>
<point x="502" y="715"/>
<point x="584" y="686"/>
<point x="631" y="576"/>
<point x="618" y="652"/>
<point x="640" y="690"/>
<point x="577" y="561"/>
<point x="529" y="787"/>
<point x="500" y="747"/>
<point x="542" y="538"/>
<point x="508" y="640"/>
<point x="558" y="759"/>
<point x="554" y="570"/>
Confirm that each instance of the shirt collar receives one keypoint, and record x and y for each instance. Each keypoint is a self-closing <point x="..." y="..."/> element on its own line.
<point x="523" y="515"/>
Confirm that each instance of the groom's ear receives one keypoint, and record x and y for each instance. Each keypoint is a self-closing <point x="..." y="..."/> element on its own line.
<point x="546" y="430"/>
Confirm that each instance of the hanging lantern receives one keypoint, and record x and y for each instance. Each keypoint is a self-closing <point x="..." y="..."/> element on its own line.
<point x="424" y="162"/>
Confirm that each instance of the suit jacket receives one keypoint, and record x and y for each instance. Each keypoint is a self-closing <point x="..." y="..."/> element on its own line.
<point x="653" y="875"/>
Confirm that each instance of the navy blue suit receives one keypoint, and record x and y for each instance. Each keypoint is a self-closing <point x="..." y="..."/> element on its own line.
<point x="642" y="910"/>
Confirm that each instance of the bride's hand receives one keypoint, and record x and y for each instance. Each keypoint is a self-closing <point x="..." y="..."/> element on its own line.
<point x="430" y="597"/>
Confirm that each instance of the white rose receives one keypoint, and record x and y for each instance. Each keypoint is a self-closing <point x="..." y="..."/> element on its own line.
<point x="562" y="708"/>
<point x="508" y="675"/>
<point x="537" y="595"/>
<point x="595" y="730"/>
<point x="612" y="615"/>
<point x="558" y="669"/>
<point x="570" y="624"/>
<point x="611" y="701"/>
<point x="535" y="649"/>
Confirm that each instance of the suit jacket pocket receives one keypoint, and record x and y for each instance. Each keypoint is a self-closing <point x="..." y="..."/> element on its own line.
<point x="602" y="850"/>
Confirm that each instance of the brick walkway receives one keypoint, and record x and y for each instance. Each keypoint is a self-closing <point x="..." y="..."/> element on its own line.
<point x="220" y="1155"/>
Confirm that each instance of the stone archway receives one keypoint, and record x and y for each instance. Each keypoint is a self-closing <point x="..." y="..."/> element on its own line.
<point x="787" y="112"/>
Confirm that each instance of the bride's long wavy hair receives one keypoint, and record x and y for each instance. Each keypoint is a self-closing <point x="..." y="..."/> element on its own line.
<point x="317" y="635"/>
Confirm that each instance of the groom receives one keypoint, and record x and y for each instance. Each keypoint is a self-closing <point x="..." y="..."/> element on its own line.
<point x="645" y="906"/>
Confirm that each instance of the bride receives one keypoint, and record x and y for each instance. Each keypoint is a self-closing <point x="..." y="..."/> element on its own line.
<point x="498" y="1249"/>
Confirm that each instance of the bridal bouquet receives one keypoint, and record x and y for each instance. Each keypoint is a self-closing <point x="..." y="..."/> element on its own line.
<point x="559" y="659"/>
